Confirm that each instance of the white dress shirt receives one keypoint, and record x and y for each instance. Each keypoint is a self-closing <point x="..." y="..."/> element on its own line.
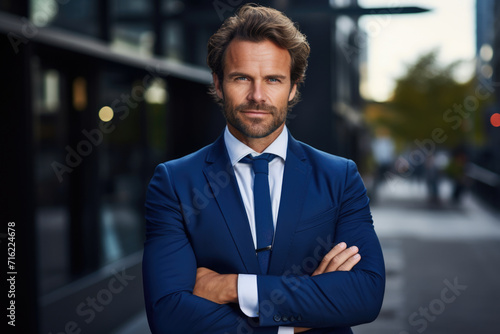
<point x="247" y="284"/>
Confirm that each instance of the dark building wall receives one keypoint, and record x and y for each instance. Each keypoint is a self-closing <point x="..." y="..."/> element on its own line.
<point x="312" y="120"/>
<point x="486" y="179"/>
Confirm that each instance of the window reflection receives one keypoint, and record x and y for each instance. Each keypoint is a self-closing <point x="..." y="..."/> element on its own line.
<point x="52" y="210"/>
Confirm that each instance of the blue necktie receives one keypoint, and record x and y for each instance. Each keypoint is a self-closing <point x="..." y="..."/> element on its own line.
<point x="262" y="206"/>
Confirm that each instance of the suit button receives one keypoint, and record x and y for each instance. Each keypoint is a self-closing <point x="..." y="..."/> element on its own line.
<point x="292" y="318"/>
<point x="285" y="318"/>
<point x="277" y="318"/>
<point x="299" y="318"/>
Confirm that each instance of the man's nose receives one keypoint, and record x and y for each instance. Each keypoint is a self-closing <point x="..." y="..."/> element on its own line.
<point x="256" y="92"/>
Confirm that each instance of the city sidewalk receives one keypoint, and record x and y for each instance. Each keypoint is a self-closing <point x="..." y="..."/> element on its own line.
<point x="442" y="263"/>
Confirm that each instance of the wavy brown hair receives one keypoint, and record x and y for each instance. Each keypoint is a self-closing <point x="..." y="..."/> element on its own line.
<point x="256" y="24"/>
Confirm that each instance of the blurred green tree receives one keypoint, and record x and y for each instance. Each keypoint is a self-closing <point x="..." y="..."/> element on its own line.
<point x="428" y="98"/>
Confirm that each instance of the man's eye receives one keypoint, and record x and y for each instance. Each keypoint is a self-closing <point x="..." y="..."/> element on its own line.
<point x="274" y="80"/>
<point x="241" y="78"/>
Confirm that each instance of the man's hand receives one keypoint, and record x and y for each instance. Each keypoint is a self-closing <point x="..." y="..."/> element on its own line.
<point x="337" y="259"/>
<point x="218" y="288"/>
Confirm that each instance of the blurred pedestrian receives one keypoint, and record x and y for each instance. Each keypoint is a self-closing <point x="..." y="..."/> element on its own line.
<point x="456" y="172"/>
<point x="383" y="154"/>
<point x="432" y="175"/>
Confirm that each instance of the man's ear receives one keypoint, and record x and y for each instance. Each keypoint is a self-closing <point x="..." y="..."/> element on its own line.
<point x="293" y="91"/>
<point x="218" y="86"/>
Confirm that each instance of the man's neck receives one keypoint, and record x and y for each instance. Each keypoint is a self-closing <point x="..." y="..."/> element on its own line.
<point x="256" y="144"/>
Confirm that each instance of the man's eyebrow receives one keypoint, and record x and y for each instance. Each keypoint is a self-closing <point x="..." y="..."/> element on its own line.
<point x="237" y="74"/>
<point x="276" y="76"/>
<point x="269" y="76"/>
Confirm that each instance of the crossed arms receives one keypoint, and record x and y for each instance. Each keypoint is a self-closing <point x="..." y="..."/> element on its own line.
<point x="223" y="288"/>
<point x="182" y="298"/>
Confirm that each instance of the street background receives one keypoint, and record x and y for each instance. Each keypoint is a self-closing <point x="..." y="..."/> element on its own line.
<point x="97" y="93"/>
<point x="425" y="245"/>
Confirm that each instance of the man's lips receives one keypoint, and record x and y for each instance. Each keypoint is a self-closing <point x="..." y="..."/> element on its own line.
<point x="255" y="112"/>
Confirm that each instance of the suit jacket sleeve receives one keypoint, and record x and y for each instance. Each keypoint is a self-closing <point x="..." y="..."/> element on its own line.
<point x="169" y="272"/>
<point x="335" y="299"/>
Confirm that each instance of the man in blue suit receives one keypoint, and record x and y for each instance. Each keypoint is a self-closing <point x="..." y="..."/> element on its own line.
<point x="257" y="232"/>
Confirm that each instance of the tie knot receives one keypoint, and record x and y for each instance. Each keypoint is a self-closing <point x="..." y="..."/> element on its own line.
<point x="260" y="163"/>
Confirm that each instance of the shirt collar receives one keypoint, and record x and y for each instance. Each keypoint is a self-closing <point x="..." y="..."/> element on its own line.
<point x="237" y="150"/>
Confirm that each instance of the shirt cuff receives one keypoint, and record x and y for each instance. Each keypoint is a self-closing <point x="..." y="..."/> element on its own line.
<point x="248" y="296"/>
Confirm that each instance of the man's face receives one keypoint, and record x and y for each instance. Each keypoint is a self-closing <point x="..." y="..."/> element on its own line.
<point x="256" y="88"/>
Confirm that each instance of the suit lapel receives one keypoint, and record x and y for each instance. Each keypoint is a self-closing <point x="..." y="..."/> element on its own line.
<point x="228" y="197"/>
<point x="293" y="192"/>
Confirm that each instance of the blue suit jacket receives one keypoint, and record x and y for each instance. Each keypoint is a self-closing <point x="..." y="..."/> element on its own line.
<point x="195" y="218"/>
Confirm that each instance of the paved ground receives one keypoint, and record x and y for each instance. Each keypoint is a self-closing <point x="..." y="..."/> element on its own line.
<point x="443" y="265"/>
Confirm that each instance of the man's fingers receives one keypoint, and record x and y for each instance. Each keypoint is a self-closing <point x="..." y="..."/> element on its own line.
<point x="350" y="263"/>
<point x="328" y="257"/>
<point x="341" y="258"/>
<point x="338" y="258"/>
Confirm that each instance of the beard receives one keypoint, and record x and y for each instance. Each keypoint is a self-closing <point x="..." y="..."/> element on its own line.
<point x="255" y="127"/>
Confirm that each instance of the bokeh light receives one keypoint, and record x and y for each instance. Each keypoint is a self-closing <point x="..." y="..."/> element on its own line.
<point x="495" y="120"/>
<point x="106" y="114"/>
